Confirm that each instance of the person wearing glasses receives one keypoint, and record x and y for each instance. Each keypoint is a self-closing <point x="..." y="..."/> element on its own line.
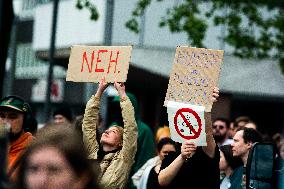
<point x="220" y="129"/>
<point x="193" y="167"/>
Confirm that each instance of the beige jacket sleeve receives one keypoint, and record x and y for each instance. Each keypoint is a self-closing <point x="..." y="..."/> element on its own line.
<point x="90" y="125"/>
<point x="130" y="131"/>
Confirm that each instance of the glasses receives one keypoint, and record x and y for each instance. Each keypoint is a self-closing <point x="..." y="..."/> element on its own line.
<point x="220" y="127"/>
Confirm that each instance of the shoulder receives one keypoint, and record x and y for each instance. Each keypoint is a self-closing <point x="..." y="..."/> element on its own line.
<point x="26" y="138"/>
<point x="200" y="152"/>
<point x="236" y="176"/>
<point x="144" y="129"/>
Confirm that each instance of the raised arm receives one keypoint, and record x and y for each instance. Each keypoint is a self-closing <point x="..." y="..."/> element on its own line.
<point x="90" y="121"/>
<point x="130" y="131"/>
<point x="170" y="172"/>
<point x="211" y="145"/>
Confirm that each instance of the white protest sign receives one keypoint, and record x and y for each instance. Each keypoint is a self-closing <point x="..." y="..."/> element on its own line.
<point x="186" y="123"/>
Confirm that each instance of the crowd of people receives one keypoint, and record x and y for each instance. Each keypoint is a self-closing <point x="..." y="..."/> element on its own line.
<point x="78" y="153"/>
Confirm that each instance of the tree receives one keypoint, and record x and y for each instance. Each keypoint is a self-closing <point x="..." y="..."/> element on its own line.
<point x="248" y="31"/>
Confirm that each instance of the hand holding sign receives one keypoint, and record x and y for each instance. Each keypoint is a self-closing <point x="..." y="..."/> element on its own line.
<point x="187" y="150"/>
<point x="120" y="87"/>
<point x="195" y="72"/>
<point x="215" y="94"/>
<point x="101" y="88"/>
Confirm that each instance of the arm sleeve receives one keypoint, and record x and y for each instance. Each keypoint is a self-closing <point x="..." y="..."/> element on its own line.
<point x="130" y="132"/>
<point x="89" y="127"/>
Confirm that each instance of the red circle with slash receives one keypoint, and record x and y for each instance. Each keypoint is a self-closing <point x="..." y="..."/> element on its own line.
<point x="188" y="124"/>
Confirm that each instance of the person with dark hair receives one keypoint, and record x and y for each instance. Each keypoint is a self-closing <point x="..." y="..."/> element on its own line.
<point x="251" y="124"/>
<point x="141" y="176"/>
<point x="164" y="147"/>
<point x="57" y="159"/>
<point x="63" y="115"/>
<point x="194" y="166"/>
<point x="221" y="128"/>
<point x="239" y="123"/>
<point x="118" y="144"/>
<point x="227" y="165"/>
<point x="243" y="142"/>
<point x="277" y="138"/>
<point x="148" y="176"/>
<point x="15" y="114"/>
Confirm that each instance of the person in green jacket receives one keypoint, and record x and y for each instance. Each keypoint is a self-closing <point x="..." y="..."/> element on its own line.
<point x="145" y="143"/>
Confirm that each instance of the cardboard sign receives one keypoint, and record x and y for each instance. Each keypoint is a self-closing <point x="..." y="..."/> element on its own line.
<point x="186" y="123"/>
<point x="91" y="63"/>
<point x="195" y="72"/>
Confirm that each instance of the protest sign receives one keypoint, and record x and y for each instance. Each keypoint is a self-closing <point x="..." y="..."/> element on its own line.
<point x="91" y="63"/>
<point x="186" y="123"/>
<point x="194" y="74"/>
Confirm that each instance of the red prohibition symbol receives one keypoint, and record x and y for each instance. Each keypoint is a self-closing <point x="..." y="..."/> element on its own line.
<point x="188" y="124"/>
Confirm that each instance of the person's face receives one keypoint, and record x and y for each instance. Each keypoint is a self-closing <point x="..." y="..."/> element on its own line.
<point x="239" y="147"/>
<point x="250" y="125"/>
<point x="231" y="131"/>
<point x="223" y="164"/>
<point x="48" y="169"/>
<point x="219" y="129"/>
<point x="241" y="124"/>
<point x="165" y="150"/>
<point x="60" y="119"/>
<point x="14" y="119"/>
<point x="112" y="136"/>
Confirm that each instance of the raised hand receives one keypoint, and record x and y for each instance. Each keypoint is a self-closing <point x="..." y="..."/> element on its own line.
<point x="120" y="87"/>
<point x="101" y="88"/>
<point x="187" y="149"/>
<point x="215" y="94"/>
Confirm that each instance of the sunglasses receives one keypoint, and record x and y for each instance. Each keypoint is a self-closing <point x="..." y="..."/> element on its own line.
<point x="220" y="127"/>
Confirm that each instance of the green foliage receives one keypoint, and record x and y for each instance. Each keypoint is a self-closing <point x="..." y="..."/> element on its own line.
<point x="248" y="31"/>
<point x="133" y="25"/>
<point x="94" y="15"/>
<point x="182" y="18"/>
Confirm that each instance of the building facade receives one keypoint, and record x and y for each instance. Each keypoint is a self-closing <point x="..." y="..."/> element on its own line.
<point x="254" y="88"/>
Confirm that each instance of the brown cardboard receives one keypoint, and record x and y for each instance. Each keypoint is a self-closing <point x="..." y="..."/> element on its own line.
<point x="194" y="74"/>
<point x="91" y="63"/>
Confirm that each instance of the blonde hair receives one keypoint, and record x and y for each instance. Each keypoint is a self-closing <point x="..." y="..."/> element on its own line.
<point x="162" y="132"/>
<point x="120" y="129"/>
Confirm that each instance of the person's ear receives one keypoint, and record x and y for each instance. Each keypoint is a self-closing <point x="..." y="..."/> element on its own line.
<point x="249" y="145"/>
